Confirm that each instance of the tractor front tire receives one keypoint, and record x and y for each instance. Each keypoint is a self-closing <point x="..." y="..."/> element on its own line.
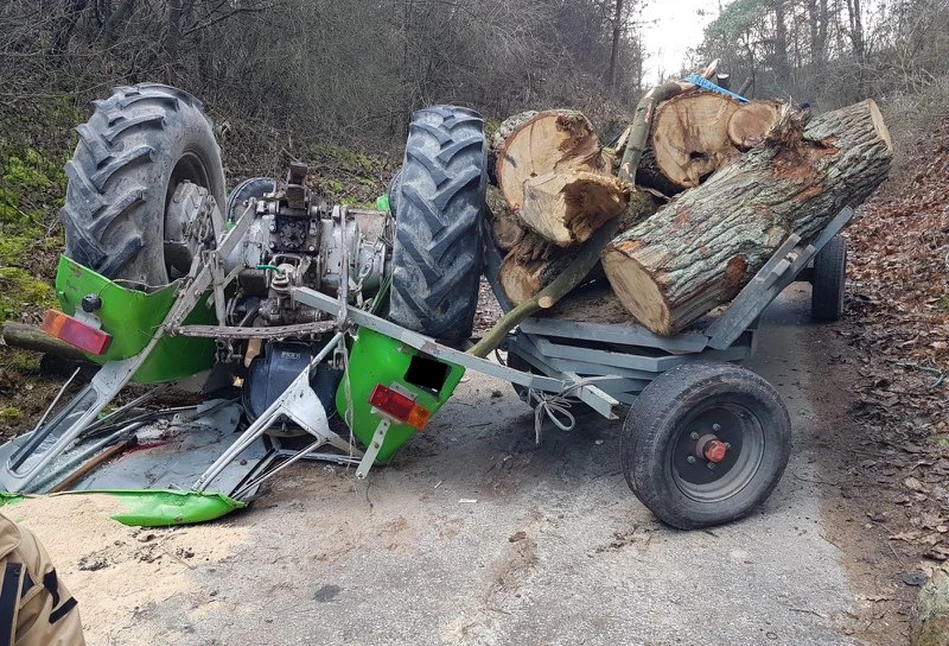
<point x="438" y="202"/>
<point x="139" y="145"/>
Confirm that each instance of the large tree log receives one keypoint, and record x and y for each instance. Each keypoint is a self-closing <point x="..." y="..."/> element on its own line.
<point x="750" y="124"/>
<point x="533" y="263"/>
<point x="567" y="206"/>
<point x="690" y="136"/>
<point x="700" y="250"/>
<point x="555" y="176"/>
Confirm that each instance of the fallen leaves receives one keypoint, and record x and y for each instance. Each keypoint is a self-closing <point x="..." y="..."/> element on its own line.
<point x="898" y="327"/>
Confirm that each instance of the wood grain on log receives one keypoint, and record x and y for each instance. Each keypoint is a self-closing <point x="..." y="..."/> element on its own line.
<point x="566" y="207"/>
<point x="552" y="141"/>
<point x="698" y="251"/>
<point x="690" y="136"/>
<point x="750" y="124"/>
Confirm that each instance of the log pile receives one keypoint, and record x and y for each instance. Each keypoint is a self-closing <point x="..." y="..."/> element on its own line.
<point x="736" y="180"/>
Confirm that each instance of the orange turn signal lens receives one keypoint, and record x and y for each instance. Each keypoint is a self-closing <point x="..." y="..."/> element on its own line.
<point x="397" y="405"/>
<point x="75" y="332"/>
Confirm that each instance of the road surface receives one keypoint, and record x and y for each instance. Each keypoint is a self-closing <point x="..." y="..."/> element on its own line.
<point x="477" y="536"/>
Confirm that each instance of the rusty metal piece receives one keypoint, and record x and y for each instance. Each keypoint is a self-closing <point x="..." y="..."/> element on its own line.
<point x="296" y="186"/>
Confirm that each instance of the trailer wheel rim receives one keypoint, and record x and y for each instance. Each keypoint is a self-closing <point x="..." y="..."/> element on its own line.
<point x="730" y="424"/>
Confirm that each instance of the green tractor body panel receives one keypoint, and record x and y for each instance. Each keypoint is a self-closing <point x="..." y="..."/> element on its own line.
<point x="376" y="359"/>
<point x="131" y="318"/>
<point x="153" y="507"/>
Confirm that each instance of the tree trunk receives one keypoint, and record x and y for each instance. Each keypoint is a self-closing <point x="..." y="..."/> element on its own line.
<point x="700" y="250"/>
<point x="614" y="50"/>
<point x="533" y="263"/>
<point x="751" y="123"/>
<point x="568" y="207"/>
<point x="555" y="176"/>
<point x="690" y="136"/>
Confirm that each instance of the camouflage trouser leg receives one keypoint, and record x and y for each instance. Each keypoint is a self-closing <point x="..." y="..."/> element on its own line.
<point x="36" y="609"/>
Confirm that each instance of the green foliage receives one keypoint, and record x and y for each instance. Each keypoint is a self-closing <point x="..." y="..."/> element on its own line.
<point x="10" y="414"/>
<point x="34" y="146"/>
<point x="21" y="292"/>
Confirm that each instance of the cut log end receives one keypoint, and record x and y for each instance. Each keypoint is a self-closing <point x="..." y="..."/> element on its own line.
<point x="637" y="290"/>
<point x="690" y="137"/>
<point x="879" y="125"/>
<point x="520" y="280"/>
<point x="568" y="207"/>
<point x="751" y="123"/>
<point x="544" y="143"/>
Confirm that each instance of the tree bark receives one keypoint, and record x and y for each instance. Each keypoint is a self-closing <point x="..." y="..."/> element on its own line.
<point x="700" y="250"/>
<point x="617" y="34"/>
<point x="690" y="136"/>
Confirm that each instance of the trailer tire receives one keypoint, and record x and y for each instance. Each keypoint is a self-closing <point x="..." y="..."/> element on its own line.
<point x="438" y="199"/>
<point x="668" y="441"/>
<point x="829" y="280"/>
<point x="139" y="145"/>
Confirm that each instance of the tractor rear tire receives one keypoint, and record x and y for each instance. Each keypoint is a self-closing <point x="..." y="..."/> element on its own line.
<point x="438" y="201"/>
<point x="139" y="145"/>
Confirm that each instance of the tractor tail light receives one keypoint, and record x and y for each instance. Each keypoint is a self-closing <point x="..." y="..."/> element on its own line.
<point x="75" y="332"/>
<point x="400" y="407"/>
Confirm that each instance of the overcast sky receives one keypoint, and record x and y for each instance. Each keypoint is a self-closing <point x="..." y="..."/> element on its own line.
<point x="671" y="28"/>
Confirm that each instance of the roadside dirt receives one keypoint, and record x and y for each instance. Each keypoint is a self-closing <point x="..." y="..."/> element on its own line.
<point x="882" y="390"/>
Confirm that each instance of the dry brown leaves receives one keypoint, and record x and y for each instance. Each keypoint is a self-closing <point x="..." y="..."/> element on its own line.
<point x="898" y="325"/>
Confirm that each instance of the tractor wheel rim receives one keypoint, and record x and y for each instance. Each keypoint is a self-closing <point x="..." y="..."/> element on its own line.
<point x="190" y="167"/>
<point x="714" y="480"/>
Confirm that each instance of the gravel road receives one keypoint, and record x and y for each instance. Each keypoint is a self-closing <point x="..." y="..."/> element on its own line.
<point x="478" y="536"/>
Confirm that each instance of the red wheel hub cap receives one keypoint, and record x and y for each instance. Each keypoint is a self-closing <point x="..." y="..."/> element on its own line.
<point x="715" y="451"/>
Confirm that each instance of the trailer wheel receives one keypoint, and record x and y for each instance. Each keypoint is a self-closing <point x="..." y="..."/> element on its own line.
<point x="140" y="145"/>
<point x="829" y="281"/>
<point x="438" y="201"/>
<point x="705" y="444"/>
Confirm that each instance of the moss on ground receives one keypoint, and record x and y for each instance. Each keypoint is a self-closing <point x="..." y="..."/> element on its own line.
<point x="36" y="140"/>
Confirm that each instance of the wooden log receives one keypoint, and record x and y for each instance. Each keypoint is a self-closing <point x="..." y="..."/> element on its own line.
<point x="750" y="124"/>
<point x="30" y="337"/>
<point x="551" y="141"/>
<point x="533" y="149"/>
<point x="698" y="251"/>
<point x="506" y="227"/>
<point x="690" y="136"/>
<point x="584" y="259"/>
<point x="565" y="207"/>
<point x="533" y="263"/>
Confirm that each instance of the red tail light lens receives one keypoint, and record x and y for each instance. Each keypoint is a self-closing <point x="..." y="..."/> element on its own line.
<point x="74" y="332"/>
<point x="399" y="406"/>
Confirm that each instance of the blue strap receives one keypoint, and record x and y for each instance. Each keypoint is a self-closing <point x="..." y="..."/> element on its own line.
<point x="706" y="84"/>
